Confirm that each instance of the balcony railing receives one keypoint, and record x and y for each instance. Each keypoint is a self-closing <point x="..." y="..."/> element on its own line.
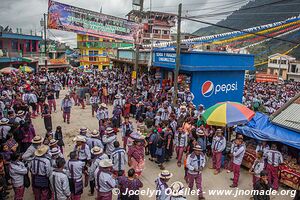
<point x="111" y="45"/>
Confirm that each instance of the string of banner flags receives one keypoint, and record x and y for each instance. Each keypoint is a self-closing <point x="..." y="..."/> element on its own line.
<point x="282" y="27"/>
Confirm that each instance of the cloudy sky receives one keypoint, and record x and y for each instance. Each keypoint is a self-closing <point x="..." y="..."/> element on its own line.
<point x="26" y="14"/>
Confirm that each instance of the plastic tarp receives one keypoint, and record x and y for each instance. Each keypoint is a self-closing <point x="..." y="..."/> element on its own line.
<point x="261" y="128"/>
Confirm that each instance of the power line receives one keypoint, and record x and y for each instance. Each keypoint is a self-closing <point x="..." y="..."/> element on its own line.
<point x="235" y="29"/>
<point x="249" y="8"/>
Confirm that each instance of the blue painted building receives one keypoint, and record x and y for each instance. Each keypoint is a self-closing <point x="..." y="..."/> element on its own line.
<point x="18" y="49"/>
<point x="213" y="76"/>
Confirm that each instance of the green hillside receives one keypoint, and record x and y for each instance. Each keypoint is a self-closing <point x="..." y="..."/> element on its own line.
<point x="260" y="12"/>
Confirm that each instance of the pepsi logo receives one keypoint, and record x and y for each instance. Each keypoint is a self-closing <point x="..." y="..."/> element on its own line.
<point x="207" y="88"/>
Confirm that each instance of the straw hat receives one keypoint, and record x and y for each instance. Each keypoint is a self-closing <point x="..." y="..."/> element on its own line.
<point x="4" y="121"/>
<point x="37" y="139"/>
<point x="197" y="148"/>
<point x="182" y="107"/>
<point x="96" y="150"/>
<point x="53" y="142"/>
<point x="95" y="133"/>
<point x="79" y="138"/>
<point x="109" y="130"/>
<point x="41" y="150"/>
<point x="103" y="105"/>
<point x="177" y="189"/>
<point x="200" y="132"/>
<point x="136" y="136"/>
<point x="54" y="151"/>
<point x="105" y="163"/>
<point x="165" y="174"/>
<point x="20" y="112"/>
<point x="83" y="130"/>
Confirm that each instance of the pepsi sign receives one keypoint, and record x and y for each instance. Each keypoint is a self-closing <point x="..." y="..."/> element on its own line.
<point x="210" y="87"/>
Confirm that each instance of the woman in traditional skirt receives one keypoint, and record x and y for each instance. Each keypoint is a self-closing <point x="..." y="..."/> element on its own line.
<point x="136" y="153"/>
<point x="47" y="117"/>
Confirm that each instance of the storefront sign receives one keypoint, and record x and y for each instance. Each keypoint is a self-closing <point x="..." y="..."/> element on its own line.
<point x="165" y="57"/>
<point x="68" y="18"/>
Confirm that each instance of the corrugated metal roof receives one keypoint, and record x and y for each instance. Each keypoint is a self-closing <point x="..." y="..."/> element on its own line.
<point x="289" y="117"/>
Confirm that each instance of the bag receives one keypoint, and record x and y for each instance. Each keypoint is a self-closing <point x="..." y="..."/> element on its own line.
<point x="40" y="181"/>
<point x="26" y="181"/>
<point x="159" y="151"/>
<point x="78" y="187"/>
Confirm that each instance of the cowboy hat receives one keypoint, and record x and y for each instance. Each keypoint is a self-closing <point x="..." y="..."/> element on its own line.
<point x="41" y="150"/>
<point x="4" y="121"/>
<point x="53" y="142"/>
<point x="200" y="132"/>
<point x="95" y="133"/>
<point x="177" y="189"/>
<point x="20" y="113"/>
<point x="136" y="136"/>
<point x="165" y="174"/>
<point x="54" y="151"/>
<point x="103" y="105"/>
<point x="79" y="138"/>
<point x="197" y="148"/>
<point x="109" y="130"/>
<point x="105" y="163"/>
<point x="83" y="130"/>
<point x="37" y="139"/>
<point x="96" y="150"/>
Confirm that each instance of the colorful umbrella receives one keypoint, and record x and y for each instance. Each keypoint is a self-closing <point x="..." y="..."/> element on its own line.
<point x="8" y="70"/>
<point x="26" y="69"/>
<point x="228" y="114"/>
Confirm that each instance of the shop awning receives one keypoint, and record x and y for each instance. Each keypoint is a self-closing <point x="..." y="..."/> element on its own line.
<point x="261" y="128"/>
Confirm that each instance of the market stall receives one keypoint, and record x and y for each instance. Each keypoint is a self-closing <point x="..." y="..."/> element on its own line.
<point x="260" y="128"/>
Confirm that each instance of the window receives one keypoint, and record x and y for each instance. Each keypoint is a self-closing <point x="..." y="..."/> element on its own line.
<point x="1" y="44"/>
<point x="273" y="61"/>
<point x="92" y="38"/>
<point x="93" y="55"/>
<point x="28" y="46"/>
<point x="293" y="68"/>
<point x="14" y="45"/>
<point x="166" y="32"/>
<point x="34" y="46"/>
<point x="283" y="62"/>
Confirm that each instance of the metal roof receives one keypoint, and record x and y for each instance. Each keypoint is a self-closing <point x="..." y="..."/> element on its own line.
<point x="289" y="116"/>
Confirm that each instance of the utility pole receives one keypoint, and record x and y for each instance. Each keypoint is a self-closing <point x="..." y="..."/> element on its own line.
<point x="137" y="46"/>
<point x="177" y="55"/>
<point x="45" y="42"/>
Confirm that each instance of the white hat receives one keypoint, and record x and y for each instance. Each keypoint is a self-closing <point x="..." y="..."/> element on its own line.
<point x="20" y="112"/>
<point x="105" y="163"/>
<point x="37" y="139"/>
<point x="79" y="138"/>
<point x="137" y="136"/>
<point x="96" y="150"/>
<point x="83" y="130"/>
<point x="199" y="132"/>
<point x="103" y="105"/>
<point x="165" y="174"/>
<point x="4" y="121"/>
<point x="109" y="130"/>
<point x="197" y="148"/>
<point x="94" y="133"/>
<point x="41" y="150"/>
<point x="177" y="189"/>
<point x="55" y="151"/>
<point x="53" y="142"/>
<point x="117" y="96"/>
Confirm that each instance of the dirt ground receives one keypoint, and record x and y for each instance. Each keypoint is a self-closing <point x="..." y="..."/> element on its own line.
<point x="80" y="117"/>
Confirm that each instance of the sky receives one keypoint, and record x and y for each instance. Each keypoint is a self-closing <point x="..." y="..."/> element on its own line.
<point x="26" y="14"/>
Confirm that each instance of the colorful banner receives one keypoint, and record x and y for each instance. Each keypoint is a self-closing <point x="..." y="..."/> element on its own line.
<point x="68" y="18"/>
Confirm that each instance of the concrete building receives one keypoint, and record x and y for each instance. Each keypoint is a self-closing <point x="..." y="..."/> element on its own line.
<point x="156" y="25"/>
<point x="95" y="51"/>
<point x="293" y="73"/>
<point x="278" y="64"/>
<point x="18" y="49"/>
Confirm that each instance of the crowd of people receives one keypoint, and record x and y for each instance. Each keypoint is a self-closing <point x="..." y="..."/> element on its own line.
<point x="269" y="97"/>
<point x="99" y="160"/>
